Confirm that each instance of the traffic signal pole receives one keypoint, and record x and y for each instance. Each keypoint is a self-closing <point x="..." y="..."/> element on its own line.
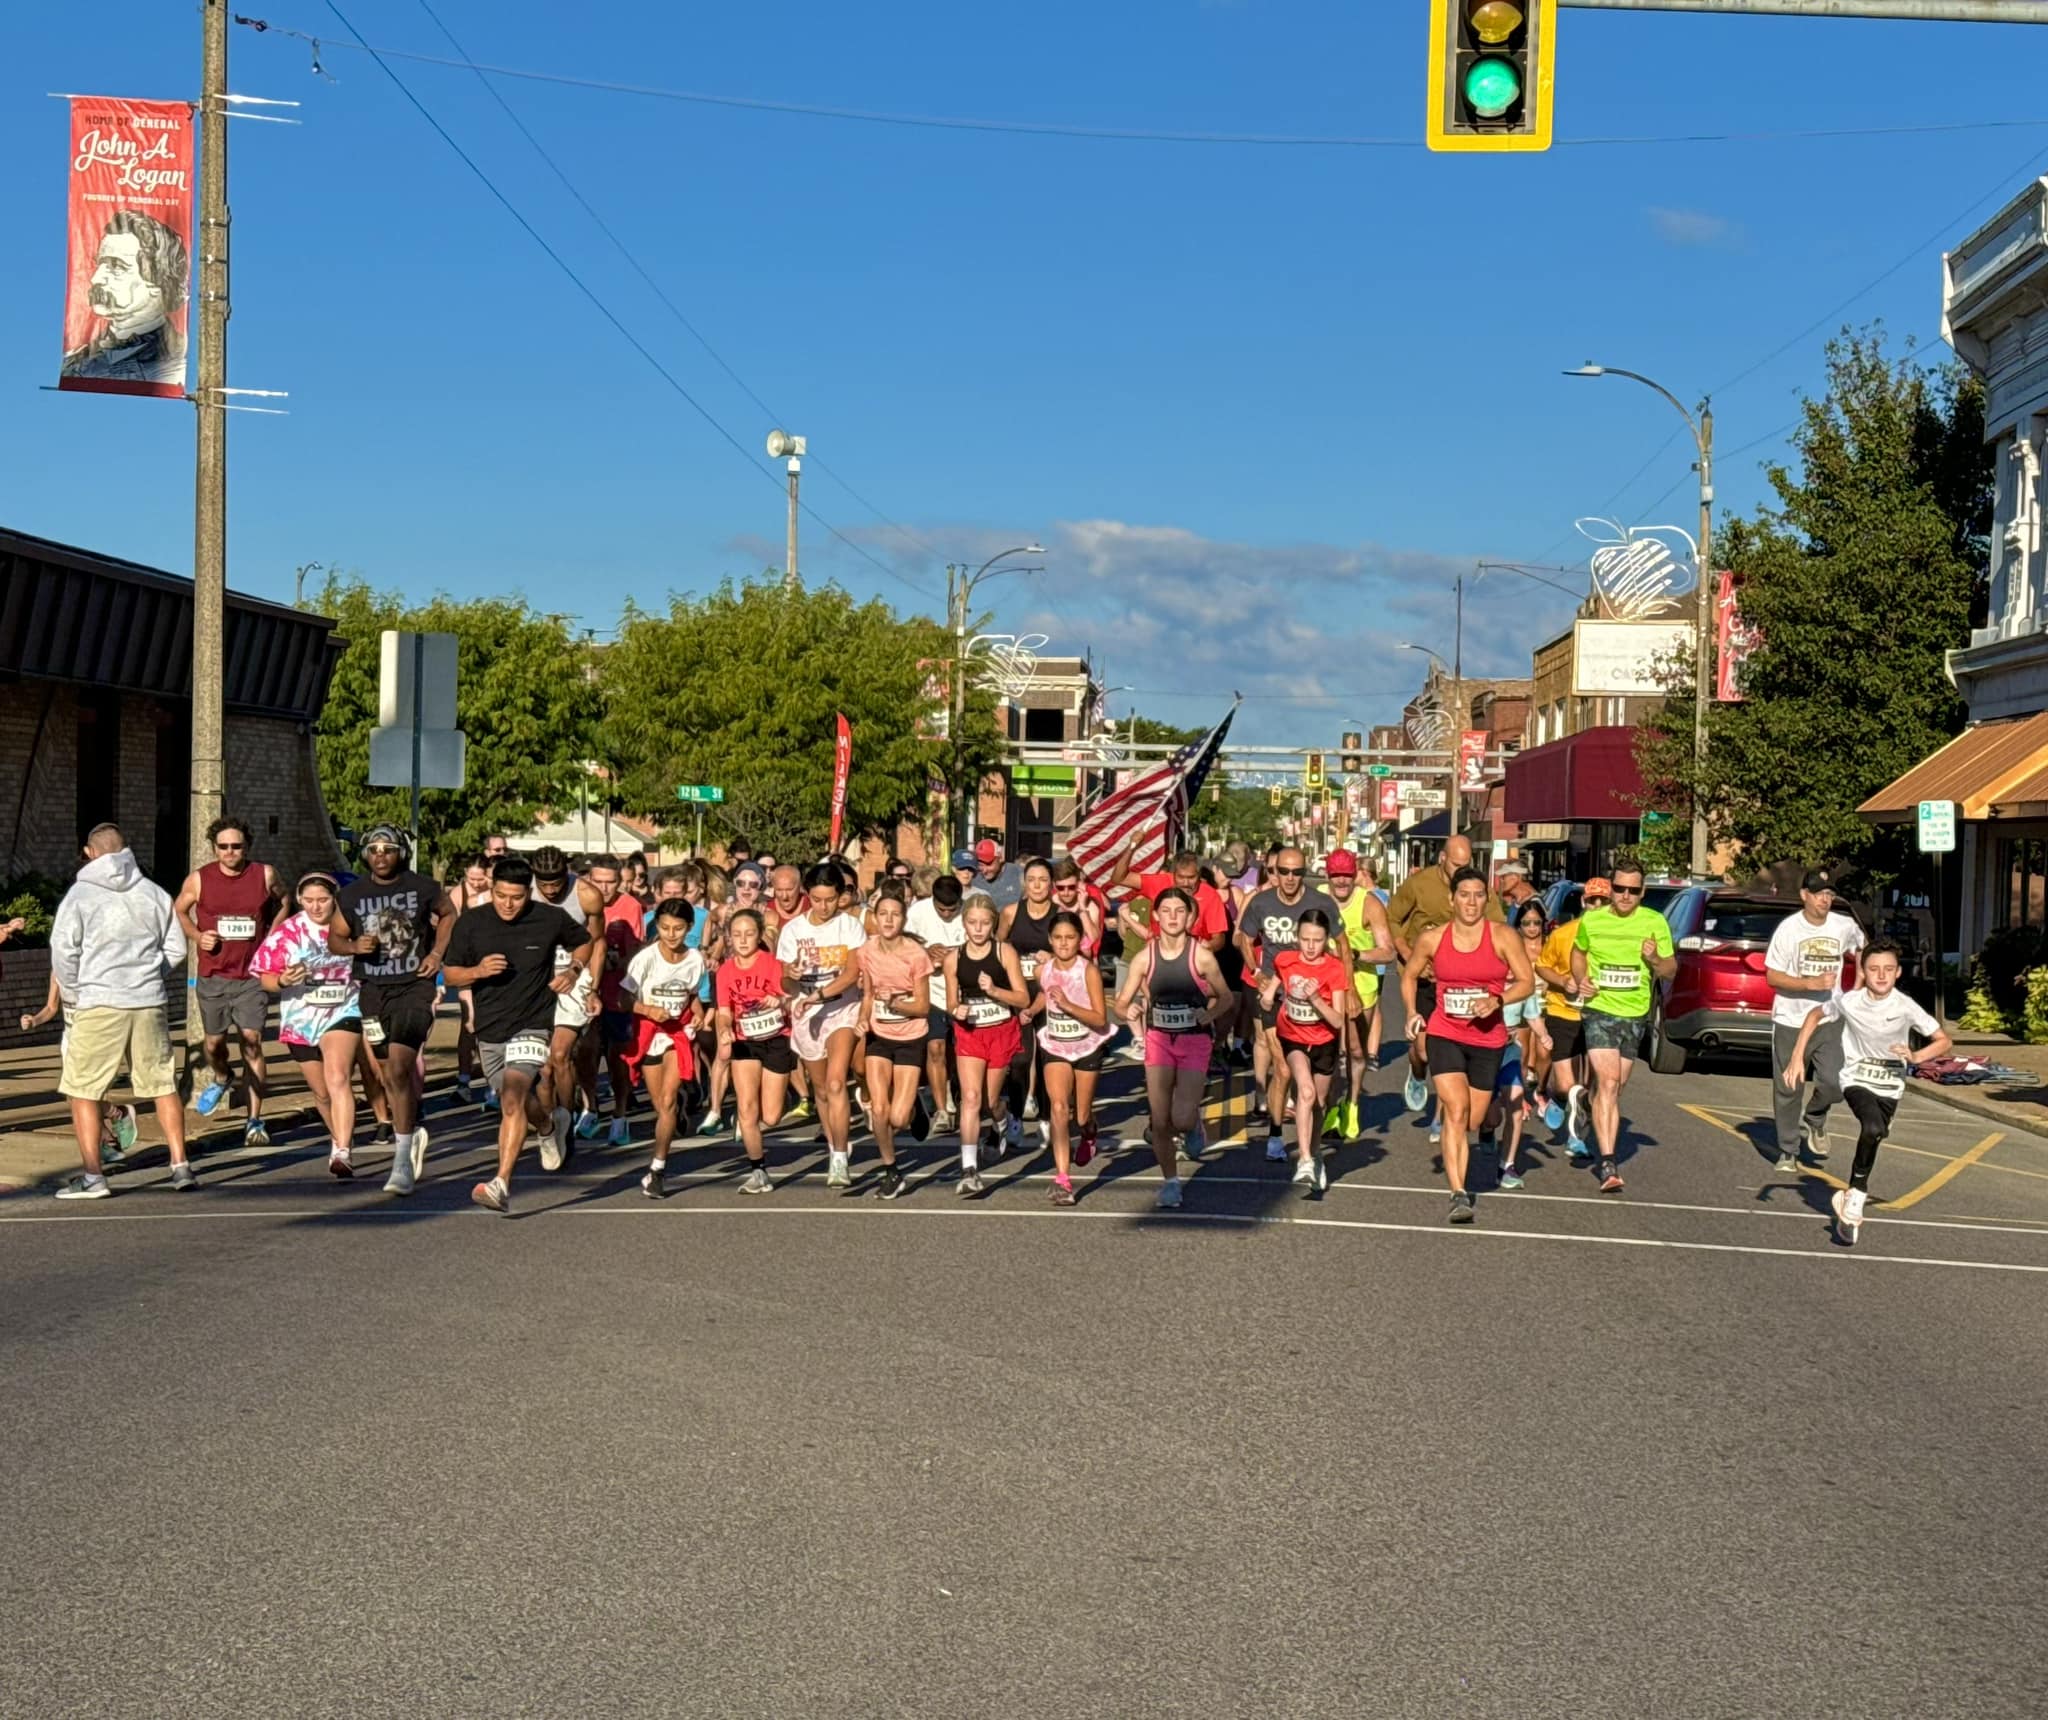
<point x="1914" y="11"/>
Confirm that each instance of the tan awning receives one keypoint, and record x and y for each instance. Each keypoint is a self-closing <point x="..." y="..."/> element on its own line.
<point x="1980" y="768"/>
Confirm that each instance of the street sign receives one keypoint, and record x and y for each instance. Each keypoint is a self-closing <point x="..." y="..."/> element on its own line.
<point x="1937" y="827"/>
<point x="1652" y="818"/>
<point x="702" y="793"/>
<point x="1379" y="771"/>
<point x="1416" y="798"/>
<point x="1038" y="779"/>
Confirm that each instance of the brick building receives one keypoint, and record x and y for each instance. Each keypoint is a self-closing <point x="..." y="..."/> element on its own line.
<point x="96" y="723"/>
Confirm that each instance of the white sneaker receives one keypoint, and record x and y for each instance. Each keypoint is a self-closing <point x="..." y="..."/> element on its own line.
<point x="1031" y="1107"/>
<point x="1169" y="1193"/>
<point x="838" y="1170"/>
<point x="1848" y="1204"/>
<point x="554" y="1146"/>
<point x="1305" y="1171"/>
<point x="1276" y="1150"/>
<point x="1322" y="1173"/>
<point x="419" y="1154"/>
<point x="1415" y="1092"/>
<point x="339" y="1164"/>
<point x="1575" y="1114"/>
<point x="400" y="1181"/>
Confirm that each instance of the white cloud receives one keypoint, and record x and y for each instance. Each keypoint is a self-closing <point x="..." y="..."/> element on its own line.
<point x="1696" y="228"/>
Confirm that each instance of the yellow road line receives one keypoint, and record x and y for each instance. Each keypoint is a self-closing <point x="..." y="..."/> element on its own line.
<point x="1712" y="1121"/>
<point x="1947" y="1173"/>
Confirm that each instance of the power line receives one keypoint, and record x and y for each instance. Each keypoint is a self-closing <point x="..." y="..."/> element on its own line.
<point x="1120" y="134"/>
<point x="604" y="309"/>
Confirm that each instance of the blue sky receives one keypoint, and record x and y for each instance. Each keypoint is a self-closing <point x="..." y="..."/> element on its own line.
<point x="1259" y="402"/>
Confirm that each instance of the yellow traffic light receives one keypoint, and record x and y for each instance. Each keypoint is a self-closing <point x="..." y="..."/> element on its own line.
<point x="1274" y="795"/>
<point x="1313" y="776"/>
<point x="1492" y="74"/>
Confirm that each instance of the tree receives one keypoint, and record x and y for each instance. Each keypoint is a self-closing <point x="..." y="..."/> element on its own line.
<point x="524" y="697"/>
<point x="1866" y="572"/>
<point x="740" y="688"/>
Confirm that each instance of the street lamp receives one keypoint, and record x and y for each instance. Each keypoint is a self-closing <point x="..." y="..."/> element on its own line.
<point x="959" y="593"/>
<point x="1702" y="429"/>
<point x="795" y="447"/>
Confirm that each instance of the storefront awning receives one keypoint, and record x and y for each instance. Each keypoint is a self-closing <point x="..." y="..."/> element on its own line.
<point x="1586" y="778"/>
<point x="2002" y="764"/>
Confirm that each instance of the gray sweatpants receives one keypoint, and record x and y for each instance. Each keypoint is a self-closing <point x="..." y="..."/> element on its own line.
<point x="1823" y="1087"/>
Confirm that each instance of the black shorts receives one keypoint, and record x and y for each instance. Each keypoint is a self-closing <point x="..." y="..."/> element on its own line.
<point x="1425" y="998"/>
<point x="939" y="1027"/>
<point x="400" y="1013"/>
<point x="1479" y="1064"/>
<point x="1090" y="1064"/>
<point x="903" y="1053"/>
<point x="1322" y="1059"/>
<point x="774" y="1054"/>
<point x="1567" y="1038"/>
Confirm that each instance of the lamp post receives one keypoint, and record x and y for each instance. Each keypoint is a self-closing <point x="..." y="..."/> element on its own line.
<point x="795" y="448"/>
<point x="1702" y="429"/>
<point x="960" y="586"/>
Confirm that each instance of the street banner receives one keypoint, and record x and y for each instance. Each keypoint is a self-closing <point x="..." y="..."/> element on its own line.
<point x="130" y="247"/>
<point x="842" y="768"/>
<point x="1734" y="639"/>
<point x="1390" y="798"/>
<point x="1471" y="761"/>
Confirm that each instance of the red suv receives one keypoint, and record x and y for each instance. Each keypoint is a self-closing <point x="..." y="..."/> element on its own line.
<point x="1719" y="999"/>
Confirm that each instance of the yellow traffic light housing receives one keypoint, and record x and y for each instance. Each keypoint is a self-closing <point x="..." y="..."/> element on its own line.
<point x="1492" y="74"/>
<point x="1312" y="777"/>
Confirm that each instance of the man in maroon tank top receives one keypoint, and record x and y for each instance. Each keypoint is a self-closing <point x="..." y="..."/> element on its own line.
<point x="227" y="908"/>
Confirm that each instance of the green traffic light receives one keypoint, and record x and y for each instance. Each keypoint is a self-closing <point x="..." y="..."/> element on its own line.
<point x="1492" y="87"/>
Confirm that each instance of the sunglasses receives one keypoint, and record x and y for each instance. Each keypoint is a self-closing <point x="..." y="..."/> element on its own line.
<point x="382" y="848"/>
<point x="1627" y="890"/>
<point x="1291" y="871"/>
<point x="230" y="847"/>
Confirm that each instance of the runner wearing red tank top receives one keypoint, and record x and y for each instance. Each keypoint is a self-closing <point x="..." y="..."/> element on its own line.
<point x="227" y="908"/>
<point x="1479" y="965"/>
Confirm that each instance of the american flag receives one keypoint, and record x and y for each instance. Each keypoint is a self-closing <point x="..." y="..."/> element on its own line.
<point x="1152" y="807"/>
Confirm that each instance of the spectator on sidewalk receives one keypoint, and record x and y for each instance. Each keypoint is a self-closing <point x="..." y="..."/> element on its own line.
<point x="115" y="939"/>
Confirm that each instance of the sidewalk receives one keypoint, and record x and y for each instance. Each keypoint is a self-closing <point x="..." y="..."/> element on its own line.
<point x="2013" y="1105"/>
<point x="36" y="1146"/>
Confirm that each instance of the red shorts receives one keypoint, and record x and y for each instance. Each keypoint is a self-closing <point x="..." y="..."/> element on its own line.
<point x="1165" y="1050"/>
<point x="673" y="1036"/>
<point x="995" y="1046"/>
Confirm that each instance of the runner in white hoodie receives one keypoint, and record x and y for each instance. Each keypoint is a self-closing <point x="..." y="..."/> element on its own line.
<point x="115" y="938"/>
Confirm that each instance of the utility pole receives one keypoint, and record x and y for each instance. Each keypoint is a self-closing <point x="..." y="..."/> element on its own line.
<point x="210" y="496"/>
<point x="1457" y="796"/>
<point x="956" y="698"/>
<point x="1703" y="687"/>
<point x="789" y="578"/>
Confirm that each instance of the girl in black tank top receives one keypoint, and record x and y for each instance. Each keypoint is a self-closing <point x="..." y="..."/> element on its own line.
<point x="1181" y="986"/>
<point x="984" y="990"/>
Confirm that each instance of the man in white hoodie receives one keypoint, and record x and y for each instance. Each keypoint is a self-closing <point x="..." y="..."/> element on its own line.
<point x="115" y="940"/>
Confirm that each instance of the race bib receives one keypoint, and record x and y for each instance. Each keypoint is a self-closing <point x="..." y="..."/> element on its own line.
<point x="331" y="995"/>
<point x="373" y="1030"/>
<point x="562" y="959"/>
<point x="812" y="981"/>
<point x="882" y="1012"/>
<point x="986" y="1012"/>
<point x="1174" y="1017"/>
<point x="1301" y="1009"/>
<point x="1818" y="967"/>
<point x="1618" y="978"/>
<point x="235" y="926"/>
<point x="526" y="1050"/>
<point x="1461" y="1002"/>
<point x="673" y="998"/>
<point x="1877" y="1076"/>
<point x="1029" y="964"/>
<point x="1065" y="1027"/>
<point x="761" y="1024"/>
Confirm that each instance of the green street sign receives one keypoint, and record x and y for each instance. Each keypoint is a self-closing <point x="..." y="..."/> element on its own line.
<point x="702" y="793"/>
<point x="1378" y="771"/>
<point x="1652" y="819"/>
<point x="1036" y="779"/>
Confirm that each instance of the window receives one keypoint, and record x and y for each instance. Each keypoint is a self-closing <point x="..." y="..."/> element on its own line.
<point x="2023" y="901"/>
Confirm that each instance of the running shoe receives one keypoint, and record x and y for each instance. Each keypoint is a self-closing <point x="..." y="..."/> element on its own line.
<point x="124" y="1131"/>
<point x="1577" y="1150"/>
<point x="463" y="1096"/>
<point x="654" y="1185"/>
<point x="1276" y="1150"/>
<point x="838" y="1172"/>
<point x="892" y="1183"/>
<point x="339" y="1165"/>
<point x="1436" y="1132"/>
<point x="588" y="1124"/>
<point x="1322" y="1175"/>
<point x="622" y="1133"/>
<point x="972" y="1187"/>
<point x="1305" y="1175"/>
<point x="1414" y="1092"/>
<point x="183" y="1179"/>
<point x="208" y="1102"/>
<point x="800" y="1110"/>
<point x="947" y="1122"/>
<point x="1787" y="1165"/>
<point x="402" y="1179"/>
<point x="1815" y="1141"/>
<point x="1510" y="1177"/>
<point x="1062" y="1193"/>
<point x="418" y="1162"/>
<point x="1030" y="1107"/>
<point x="1195" y="1143"/>
<point x="991" y="1142"/>
<point x="1553" y="1114"/>
<point x="1350" y="1126"/>
<point x="758" y="1181"/>
<point x="1084" y="1147"/>
<point x="494" y="1195"/>
<point x="382" y="1135"/>
<point x="1610" y="1177"/>
<point x="1463" y="1209"/>
<point x="714" y="1126"/>
<point x="256" y="1135"/>
<point x="1169" y="1195"/>
<point x="1848" y="1205"/>
<point x="1014" y="1134"/>
<point x="490" y="1099"/>
<point x="554" y="1146"/>
<point x="86" y="1186"/>
<point x="1575" y="1113"/>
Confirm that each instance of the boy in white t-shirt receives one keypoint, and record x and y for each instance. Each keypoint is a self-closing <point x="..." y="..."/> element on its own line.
<point x="1804" y="965"/>
<point x="1875" y="1019"/>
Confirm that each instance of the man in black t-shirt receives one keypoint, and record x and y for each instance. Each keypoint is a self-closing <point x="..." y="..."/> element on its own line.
<point x="395" y="922"/>
<point x="505" y="954"/>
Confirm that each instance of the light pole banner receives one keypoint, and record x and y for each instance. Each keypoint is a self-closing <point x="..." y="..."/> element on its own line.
<point x="130" y="251"/>
<point x="842" y="768"/>
<point x="1471" y="761"/>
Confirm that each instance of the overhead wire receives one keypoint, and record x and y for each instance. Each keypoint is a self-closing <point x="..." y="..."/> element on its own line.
<point x="605" y="310"/>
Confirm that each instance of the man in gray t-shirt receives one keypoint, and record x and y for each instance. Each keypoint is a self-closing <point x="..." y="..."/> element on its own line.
<point x="1271" y="923"/>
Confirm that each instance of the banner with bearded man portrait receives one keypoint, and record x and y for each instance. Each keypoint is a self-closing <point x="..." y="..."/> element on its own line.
<point x="130" y="251"/>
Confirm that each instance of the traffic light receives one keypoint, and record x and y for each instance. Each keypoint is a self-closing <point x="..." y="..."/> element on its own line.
<point x="1312" y="778"/>
<point x="1353" y="763"/>
<point x="1492" y="66"/>
<point x="1274" y="794"/>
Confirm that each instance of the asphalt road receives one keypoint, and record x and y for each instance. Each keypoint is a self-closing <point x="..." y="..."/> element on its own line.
<point x="287" y="1448"/>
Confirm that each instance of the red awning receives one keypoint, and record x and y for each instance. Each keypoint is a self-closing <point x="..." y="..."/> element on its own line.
<point x="1585" y="778"/>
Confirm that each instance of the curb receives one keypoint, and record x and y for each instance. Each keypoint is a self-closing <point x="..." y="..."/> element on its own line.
<point x="1957" y="1099"/>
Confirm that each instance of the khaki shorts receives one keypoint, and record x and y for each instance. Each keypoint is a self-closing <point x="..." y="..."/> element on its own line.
<point x="97" y="1042"/>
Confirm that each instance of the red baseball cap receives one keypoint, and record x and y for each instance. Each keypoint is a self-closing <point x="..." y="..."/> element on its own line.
<point x="986" y="851"/>
<point x="1342" y="864"/>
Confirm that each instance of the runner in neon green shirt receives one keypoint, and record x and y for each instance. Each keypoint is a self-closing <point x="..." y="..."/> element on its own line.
<point x="1617" y="956"/>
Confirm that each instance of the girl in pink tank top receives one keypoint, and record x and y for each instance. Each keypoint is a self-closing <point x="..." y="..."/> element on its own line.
<point x="1071" y="1035"/>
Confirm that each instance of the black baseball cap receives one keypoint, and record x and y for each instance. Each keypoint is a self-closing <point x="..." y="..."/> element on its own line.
<point x="1816" y="881"/>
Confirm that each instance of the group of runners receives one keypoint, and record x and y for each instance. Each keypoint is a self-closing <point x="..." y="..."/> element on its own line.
<point x="974" y="1001"/>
